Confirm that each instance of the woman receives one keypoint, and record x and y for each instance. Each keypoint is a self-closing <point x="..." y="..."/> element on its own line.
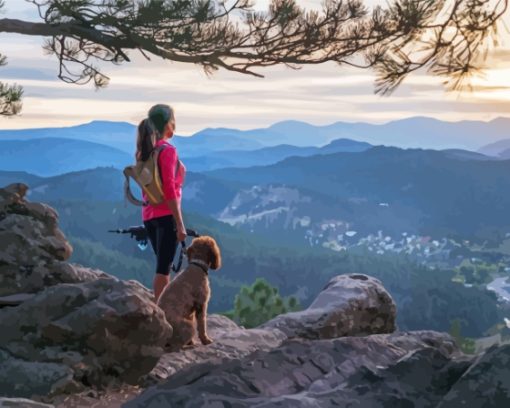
<point x="163" y="222"/>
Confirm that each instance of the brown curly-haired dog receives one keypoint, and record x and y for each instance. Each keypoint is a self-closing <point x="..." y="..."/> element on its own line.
<point x="185" y="299"/>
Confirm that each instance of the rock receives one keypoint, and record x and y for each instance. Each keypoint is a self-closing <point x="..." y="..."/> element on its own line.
<point x="349" y="305"/>
<point x="16" y="299"/>
<point x="486" y="384"/>
<point x="24" y="378"/>
<point x="229" y="342"/>
<point x="21" y="403"/>
<point x="303" y="373"/>
<point x="90" y="332"/>
<point x="15" y="279"/>
<point x="31" y="245"/>
<point x="29" y="232"/>
<point x="218" y="325"/>
<point x="419" y="380"/>
<point x="17" y="189"/>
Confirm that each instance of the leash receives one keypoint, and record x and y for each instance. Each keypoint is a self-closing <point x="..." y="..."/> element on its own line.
<point x="139" y="233"/>
<point x="189" y="233"/>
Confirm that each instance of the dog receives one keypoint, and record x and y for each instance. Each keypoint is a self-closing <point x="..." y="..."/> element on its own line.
<point x="186" y="297"/>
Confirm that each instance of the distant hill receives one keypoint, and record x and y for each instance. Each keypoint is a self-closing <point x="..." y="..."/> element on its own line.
<point x="100" y="184"/>
<point x="500" y="149"/>
<point x="8" y="177"/>
<point x="202" y="194"/>
<point x="391" y="189"/>
<point x="268" y="155"/>
<point x="120" y="135"/>
<point x="505" y="154"/>
<point x="52" y="156"/>
<point x="467" y="155"/>
<point x="204" y="144"/>
<point x="411" y="132"/>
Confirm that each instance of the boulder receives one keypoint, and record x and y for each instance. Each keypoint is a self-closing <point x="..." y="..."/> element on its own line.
<point x="32" y="247"/>
<point x="86" y="334"/>
<point x="66" y="327"/>
<point x="349" y="305"/>
<point x="29" y="232"/>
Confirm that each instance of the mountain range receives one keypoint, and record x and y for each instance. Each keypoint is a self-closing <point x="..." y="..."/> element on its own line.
<point x="427" y="192"/>
<point x="411" y="132"/>
<point x="48" y="152"/>
<point x="54" y="156"/>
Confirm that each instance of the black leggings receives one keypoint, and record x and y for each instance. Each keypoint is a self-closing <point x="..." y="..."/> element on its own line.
<point x="162" y="234"/>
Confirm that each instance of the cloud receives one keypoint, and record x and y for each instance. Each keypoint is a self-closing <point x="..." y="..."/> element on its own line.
<point x="319" y="94"/>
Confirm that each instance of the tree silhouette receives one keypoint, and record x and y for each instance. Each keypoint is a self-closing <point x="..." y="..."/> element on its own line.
<point x="446" y="37"/>
<point x="259" y="303"/>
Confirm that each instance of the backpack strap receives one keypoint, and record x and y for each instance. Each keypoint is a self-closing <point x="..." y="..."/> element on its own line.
<point x="127" y="189"/>
<point x="159" y="178"/>
<point x="157" y="172"/>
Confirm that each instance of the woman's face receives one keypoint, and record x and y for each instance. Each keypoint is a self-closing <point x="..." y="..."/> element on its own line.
<point x="169" y="129"/>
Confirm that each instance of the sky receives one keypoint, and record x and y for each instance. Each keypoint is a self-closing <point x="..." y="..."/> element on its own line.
<point x="320" y="94"/>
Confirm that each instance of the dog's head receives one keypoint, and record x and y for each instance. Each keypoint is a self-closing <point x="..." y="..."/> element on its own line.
<point x="206" y="249"/>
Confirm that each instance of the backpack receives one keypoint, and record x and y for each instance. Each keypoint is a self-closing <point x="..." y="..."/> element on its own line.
<point x="147" y="175"/>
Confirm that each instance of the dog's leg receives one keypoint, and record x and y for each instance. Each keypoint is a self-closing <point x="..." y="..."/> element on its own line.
<point x="186" y="333"/>
<point x="201" y="311"/>
<point x="192" y="343"/>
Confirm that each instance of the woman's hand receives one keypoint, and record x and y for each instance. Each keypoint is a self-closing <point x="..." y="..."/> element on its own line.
<point x="181" y="233"/>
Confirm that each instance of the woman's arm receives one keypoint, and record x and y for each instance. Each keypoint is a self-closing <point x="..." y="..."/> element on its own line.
<point x="175" y="207"/>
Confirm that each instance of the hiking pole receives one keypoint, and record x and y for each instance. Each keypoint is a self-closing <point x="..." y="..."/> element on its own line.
<point x="139" y="233"/>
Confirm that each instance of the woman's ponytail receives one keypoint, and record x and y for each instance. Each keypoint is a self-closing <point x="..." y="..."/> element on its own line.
<point x="144" y="140"/>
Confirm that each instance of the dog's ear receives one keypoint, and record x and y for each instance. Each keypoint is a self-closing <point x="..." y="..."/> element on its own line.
<point x="214" y="255"/>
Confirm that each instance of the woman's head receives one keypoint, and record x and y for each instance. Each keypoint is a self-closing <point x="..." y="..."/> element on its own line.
<point x="162" y="119"/>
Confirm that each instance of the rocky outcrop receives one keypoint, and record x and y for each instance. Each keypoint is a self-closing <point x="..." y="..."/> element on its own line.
<point x="349" y="305"/>
<point x="341" y="351"/>
<point x="66" y="327"/>
<point x="311" y="373"/>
